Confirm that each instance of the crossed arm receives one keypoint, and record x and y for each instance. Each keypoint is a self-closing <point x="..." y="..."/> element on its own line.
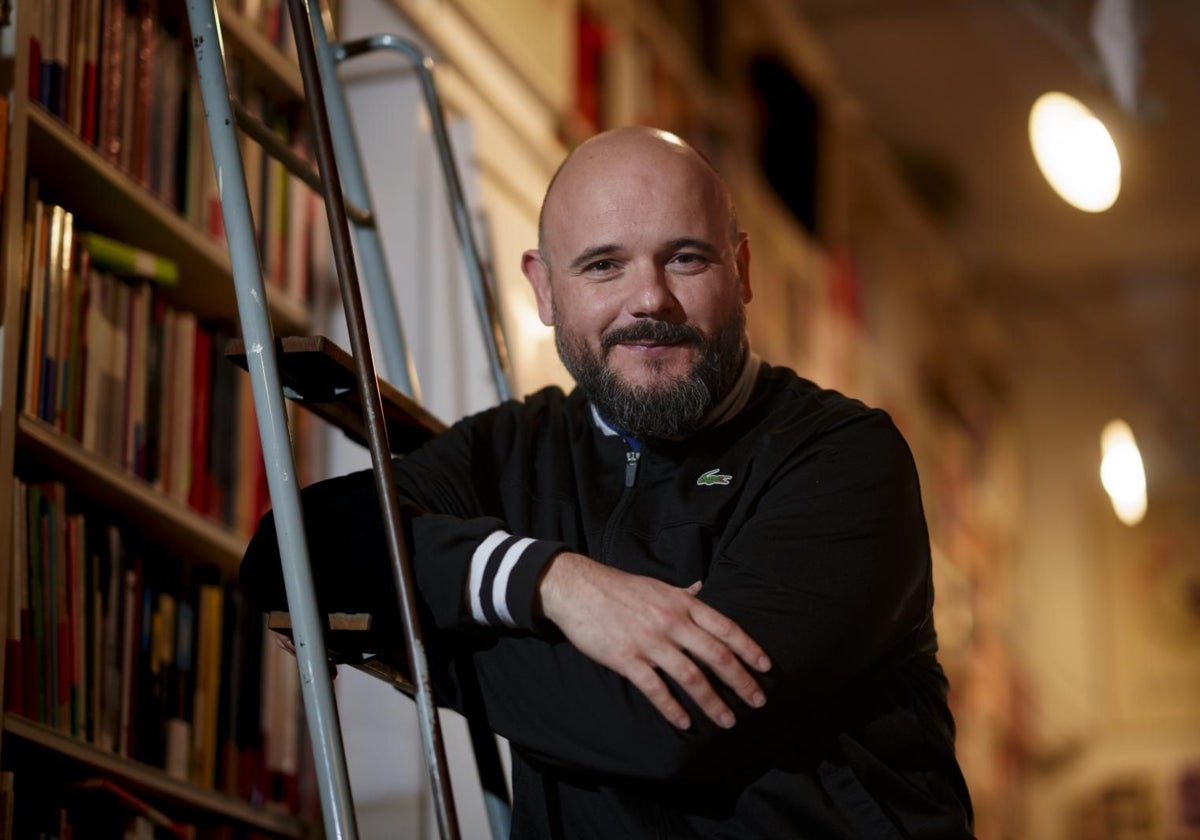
<point x="827" y="579"/>
<point x="644" y="629"/>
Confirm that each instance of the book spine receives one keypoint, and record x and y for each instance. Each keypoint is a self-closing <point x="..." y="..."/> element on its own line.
<point x="40" y="239"/>
<point x="14" y="666"/>
<point x="208" y="680"/>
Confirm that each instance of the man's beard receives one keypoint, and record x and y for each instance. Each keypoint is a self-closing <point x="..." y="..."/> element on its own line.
<point x="671" y="409"/>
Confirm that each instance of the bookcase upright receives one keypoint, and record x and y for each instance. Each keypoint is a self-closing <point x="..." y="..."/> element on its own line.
<point x="129" y="471"/>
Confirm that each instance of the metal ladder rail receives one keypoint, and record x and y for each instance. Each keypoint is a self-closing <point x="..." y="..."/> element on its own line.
<point x="362" y="219"/>
<point x="402" y="576"/>
<point x="308" y="637"/>
<point x="494" y="341"/>
<point x="491" y="773"/>
<point x="268" y="399"/>
<point x="269" y="409"/>
<point x="363" y="224"/>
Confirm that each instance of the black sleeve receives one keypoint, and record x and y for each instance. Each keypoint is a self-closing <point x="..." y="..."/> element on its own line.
<point x="830" y="575"/>
<point x="469" y="569"/>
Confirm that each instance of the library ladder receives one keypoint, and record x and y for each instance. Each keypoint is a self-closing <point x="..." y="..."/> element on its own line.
<point x="341" y="182"/>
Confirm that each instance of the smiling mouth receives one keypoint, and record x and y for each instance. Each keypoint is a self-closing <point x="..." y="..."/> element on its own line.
<point x="652" y="335"/>
<point x="652" y="344"/>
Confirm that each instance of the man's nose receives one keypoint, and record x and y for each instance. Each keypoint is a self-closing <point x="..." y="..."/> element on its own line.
<point x="651" y="295"/>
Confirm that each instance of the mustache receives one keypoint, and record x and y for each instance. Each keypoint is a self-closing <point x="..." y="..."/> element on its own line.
<point x="659" y="332"/>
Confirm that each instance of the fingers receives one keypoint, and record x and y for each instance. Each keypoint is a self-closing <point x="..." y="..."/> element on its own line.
<point x="687" y="674"/>
<point x="647" y="681"/>
<point x="727" y="667"/>
<point x="734" y="637"/>
<point x="696" y="635"/>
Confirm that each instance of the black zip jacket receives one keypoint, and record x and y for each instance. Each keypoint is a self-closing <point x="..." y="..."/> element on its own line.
<point x="802" y="515"/>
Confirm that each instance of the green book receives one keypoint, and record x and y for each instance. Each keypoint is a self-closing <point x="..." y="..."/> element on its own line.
<point x="129" y="261"/>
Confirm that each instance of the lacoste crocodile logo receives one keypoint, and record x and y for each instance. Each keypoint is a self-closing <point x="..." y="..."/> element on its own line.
<point x="713" y="476"/>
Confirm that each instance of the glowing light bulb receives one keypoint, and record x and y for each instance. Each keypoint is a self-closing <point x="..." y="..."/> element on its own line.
<point x="1075" y="152"/>
<point x="1121" y="472"/>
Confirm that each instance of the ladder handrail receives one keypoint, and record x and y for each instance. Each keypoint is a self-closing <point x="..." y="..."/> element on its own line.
<point x="306" y="20"/>
<point x="337" y="153"/>
<point x="490" y="325"/>
<point x="311" y="657"/>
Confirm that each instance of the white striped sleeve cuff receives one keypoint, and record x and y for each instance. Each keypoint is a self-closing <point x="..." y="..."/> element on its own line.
<point x="503" y="575"/>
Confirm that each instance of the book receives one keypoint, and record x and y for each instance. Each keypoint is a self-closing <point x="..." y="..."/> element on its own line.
<point x="111" y="80"/>
<point x="205" y="699"/>
<point x="138" y="387"/>
<point x="112" y="571"/>
<point x="39" y="239"/>
<point x="117" y="366"/>
<point x="131" y="630"/>
<point x="61" y="645"/>
<point x="98" y="334"/>
<point x="14" y="666"/>
<point x="129" y="261"/>
<point x="180" y="681"/>
<point x="200" y="487"/>
<point x="180" y="430"/>
<point x="89" y="93"/>
<point x="39" y="613"/>
<point x="68" y="331"/>
<point x="51" y="316"/>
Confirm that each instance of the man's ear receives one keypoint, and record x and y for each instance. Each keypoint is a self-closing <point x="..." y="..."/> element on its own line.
<point x="538" y="273"/>
<point x="742" y="258"/>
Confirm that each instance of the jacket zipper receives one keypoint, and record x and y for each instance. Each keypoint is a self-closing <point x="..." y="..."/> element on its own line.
<point x="632" y="458"/>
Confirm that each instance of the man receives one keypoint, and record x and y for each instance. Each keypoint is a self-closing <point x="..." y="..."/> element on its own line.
<point x="695" y="593"/>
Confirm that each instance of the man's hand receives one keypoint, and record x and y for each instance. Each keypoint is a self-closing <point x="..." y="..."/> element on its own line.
<point x="638" y="626"/>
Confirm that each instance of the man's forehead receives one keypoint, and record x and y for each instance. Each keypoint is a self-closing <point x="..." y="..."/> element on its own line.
<point x="623" y="201"/>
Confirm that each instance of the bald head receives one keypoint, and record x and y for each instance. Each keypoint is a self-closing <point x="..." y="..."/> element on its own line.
<point x="620" y="151"/>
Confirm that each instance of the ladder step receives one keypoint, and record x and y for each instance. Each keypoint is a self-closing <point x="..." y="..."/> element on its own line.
<point x="282" y="620"/>
<point x="339" y="623"/>
<point x="319" y="375"/>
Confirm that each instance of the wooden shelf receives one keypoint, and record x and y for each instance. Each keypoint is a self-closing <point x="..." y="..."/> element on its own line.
<point x="105" y="199"/>
<point x="269" y="66"/>
<point x="162" y="519"/>
<point x="152" y="779"/>
<point x="319" y="375"/>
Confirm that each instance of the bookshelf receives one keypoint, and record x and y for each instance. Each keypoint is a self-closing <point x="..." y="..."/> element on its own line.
<point x="38" y="738"/>
<point x="46" y="150"/>
<point x="69" y="168"/>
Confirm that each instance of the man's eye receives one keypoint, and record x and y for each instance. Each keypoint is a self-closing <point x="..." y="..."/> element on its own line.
<point x="600" y="267"/>
<point x="688" y="260"/>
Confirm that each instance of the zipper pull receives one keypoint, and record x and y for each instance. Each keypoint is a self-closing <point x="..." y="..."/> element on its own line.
<point x="631" y="465"/>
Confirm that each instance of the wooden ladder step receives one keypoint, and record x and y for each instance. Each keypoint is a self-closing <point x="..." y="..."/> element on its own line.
<point x="319" y="375"/>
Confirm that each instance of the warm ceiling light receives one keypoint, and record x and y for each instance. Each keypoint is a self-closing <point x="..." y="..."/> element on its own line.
<point x="1121" y="472"/>
<point x="1075" y="152"/>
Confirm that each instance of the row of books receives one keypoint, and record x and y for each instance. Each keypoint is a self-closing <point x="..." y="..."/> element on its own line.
<point x="109" y="362"/>
<point x="120" y="644"/>
<point x="121" y="75"/>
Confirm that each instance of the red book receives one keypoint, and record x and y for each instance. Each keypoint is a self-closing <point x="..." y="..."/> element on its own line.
<point x="111" y="80"/>
<point x="90" y="80"/>
<point x="144" y="86"/>
<point x="200" y="492"/>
